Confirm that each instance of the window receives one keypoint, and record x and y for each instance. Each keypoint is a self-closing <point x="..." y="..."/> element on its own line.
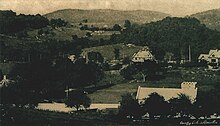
<point x="213" y="60"/>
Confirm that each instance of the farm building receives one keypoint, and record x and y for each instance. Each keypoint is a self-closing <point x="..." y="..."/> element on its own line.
<point x="187" y="88"/>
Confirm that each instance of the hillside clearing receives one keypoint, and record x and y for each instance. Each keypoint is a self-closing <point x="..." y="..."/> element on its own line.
<point x="107" y="51"/>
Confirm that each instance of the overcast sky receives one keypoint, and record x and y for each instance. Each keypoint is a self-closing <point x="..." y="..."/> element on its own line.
<point x="173" y="7"/>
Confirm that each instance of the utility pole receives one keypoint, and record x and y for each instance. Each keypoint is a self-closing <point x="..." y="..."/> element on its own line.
<point x="189" y="54"/>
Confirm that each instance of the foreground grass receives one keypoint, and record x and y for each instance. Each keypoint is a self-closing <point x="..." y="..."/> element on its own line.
<point x="25" y="117"/>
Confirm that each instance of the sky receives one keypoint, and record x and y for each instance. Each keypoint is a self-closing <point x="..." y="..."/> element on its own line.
<point x="173" y="7"/>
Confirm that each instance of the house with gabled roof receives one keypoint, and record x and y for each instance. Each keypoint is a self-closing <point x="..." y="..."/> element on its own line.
<point x="143" y="55"/>
<point x="212" y="58"/>
<point x="187" y="88"/>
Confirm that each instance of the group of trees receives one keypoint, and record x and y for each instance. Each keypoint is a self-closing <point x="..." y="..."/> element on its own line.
<point x="48" y="49"/>
<point x="11" y="23"/>
<point x="58" y="23"/>
<point x="77" y="99"/>
<point x="45" y="79"/>
<point x="148" y="70"/>
<point x="155" y="107"/>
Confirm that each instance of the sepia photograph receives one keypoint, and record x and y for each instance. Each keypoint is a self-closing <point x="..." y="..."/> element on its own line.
<point x="109" y="62"/>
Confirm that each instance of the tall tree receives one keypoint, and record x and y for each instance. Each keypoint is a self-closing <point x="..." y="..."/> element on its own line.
<point x="116" y="27"/>
<point x="95" y="57"/>
<point x="148" y="69"/>
<point x="127" y="24"/>
<point x="155" y="105"/>
<point x="79" y="74"/>
<point x="77" y="99"/>
<point x="128" y="72"/>
<point x="181" y="105"/>
<point x="129" y="107"/>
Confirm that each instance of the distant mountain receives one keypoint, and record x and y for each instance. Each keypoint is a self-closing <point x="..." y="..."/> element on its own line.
<point x="210" y="18"/>
<point x="107" y="16"/>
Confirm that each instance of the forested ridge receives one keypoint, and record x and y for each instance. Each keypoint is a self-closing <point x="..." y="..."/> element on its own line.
<point x="173" y="35"/>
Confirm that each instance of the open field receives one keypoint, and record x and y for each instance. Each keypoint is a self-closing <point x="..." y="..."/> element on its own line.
<point x="62" y="33"/>
<point x="114" y="93"/>
<point x="206" y="82"/>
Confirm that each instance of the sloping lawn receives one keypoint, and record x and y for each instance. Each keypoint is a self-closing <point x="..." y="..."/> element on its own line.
<point x="107" y="51"/>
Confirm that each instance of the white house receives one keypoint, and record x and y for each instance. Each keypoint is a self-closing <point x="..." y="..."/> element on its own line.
<point x="187" y="88"/>
<point x="142" y="55"/>
<point x="212" y="58"/>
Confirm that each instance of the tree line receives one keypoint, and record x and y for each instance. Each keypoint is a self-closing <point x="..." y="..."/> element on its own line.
<point x="11" y="23"/>
<point x="157" y="110"/>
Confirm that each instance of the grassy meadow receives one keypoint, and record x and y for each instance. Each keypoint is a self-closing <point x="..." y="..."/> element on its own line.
<point x="107" y="51"/>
